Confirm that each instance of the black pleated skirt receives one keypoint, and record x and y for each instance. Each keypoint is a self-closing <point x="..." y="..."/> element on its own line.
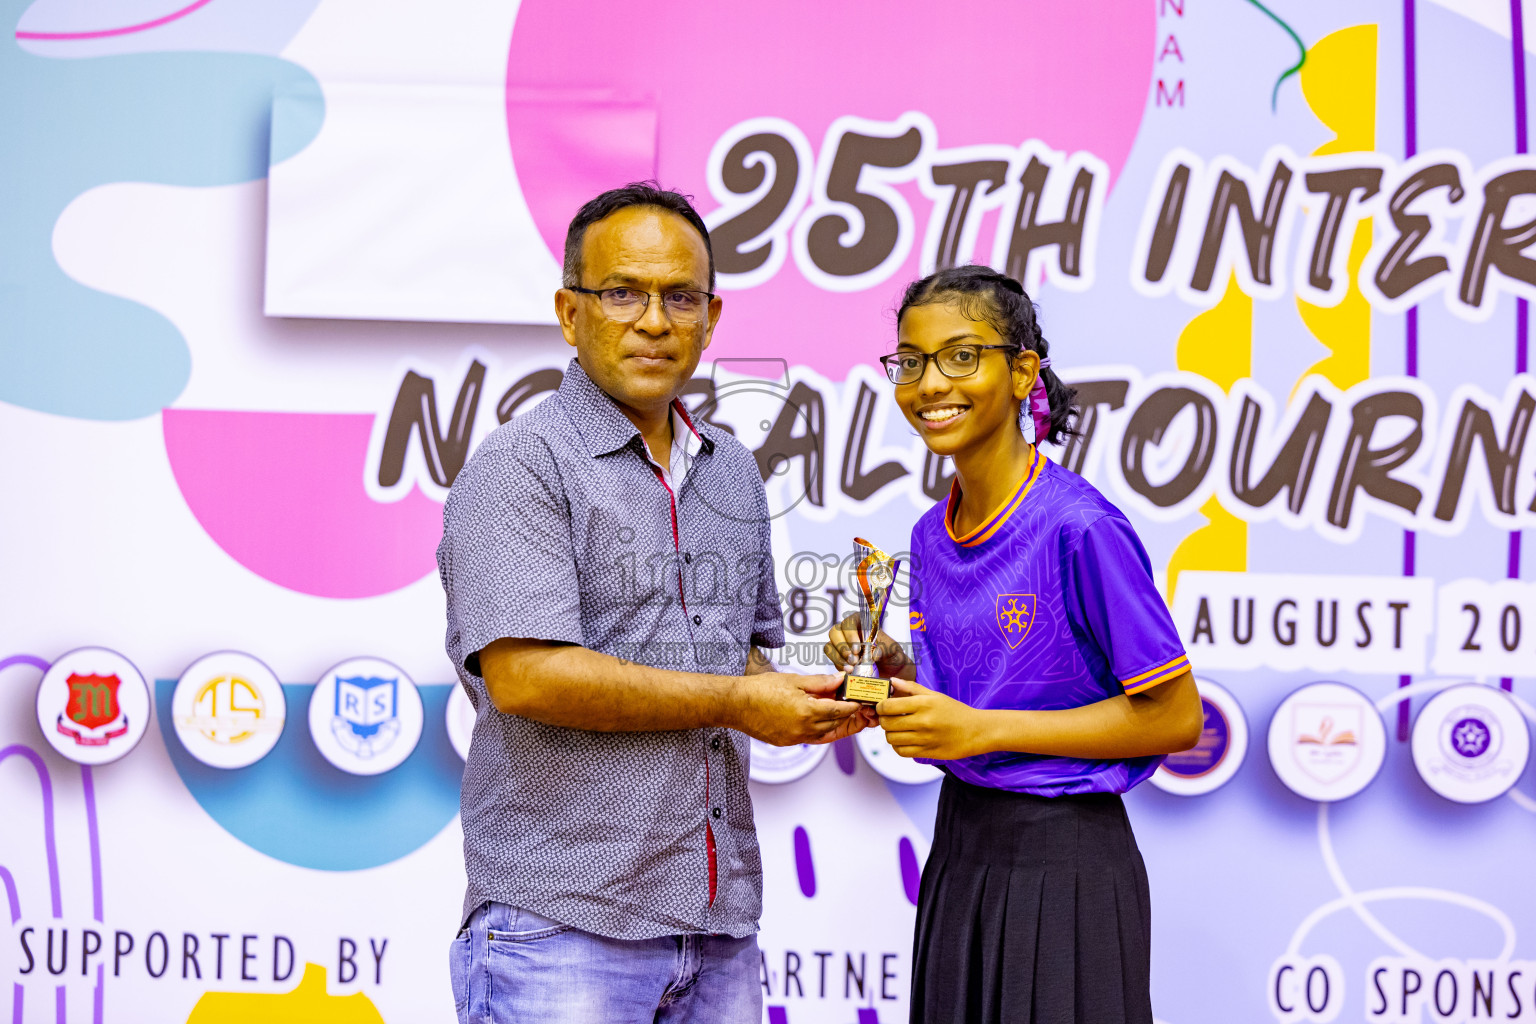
<point x="1033" y="910"/>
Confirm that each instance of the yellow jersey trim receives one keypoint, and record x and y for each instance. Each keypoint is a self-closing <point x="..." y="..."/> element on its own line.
<point x="999" y="516"/>
<point x="1136" y="684"/>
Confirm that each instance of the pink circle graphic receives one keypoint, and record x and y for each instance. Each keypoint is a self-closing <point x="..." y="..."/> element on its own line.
<point x="601" y="93"/>
<point x="281" y="493"/>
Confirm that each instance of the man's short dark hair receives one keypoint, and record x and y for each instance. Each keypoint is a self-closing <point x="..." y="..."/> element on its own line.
<point x="636" y="193"/>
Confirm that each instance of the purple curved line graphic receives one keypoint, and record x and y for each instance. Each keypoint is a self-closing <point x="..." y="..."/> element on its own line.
<point x="45" y="783"/>
<point x="10" y="894"/>
<point x="911" y="874"/>
<point x="1411" y="319"/>
<point x="61" y="1014"/>
<point x="18" y="1002"/>
<point x="126" y="30"/>
<point x="88" y="784"/>
<point x="1522" y="307"/>
<point x="805" y="868"/>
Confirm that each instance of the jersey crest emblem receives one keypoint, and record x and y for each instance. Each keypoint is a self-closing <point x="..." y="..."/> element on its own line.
<point x="1015" y="614"/>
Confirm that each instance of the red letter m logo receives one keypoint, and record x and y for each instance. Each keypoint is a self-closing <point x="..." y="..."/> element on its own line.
<point x="92" y="700"/>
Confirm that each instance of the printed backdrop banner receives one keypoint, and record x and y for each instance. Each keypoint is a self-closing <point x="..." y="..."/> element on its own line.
<point x="270" y="271"/>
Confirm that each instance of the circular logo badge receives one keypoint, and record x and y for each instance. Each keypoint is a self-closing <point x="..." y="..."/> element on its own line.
<point x="784" y="764"/>
<point x="1327" y="742"/>
<point x="228" y="710"/>
<point x="882" y="757"/>
<point x="1470" y="743"/>
<point x="1211" y="762"/>
<point x="93" y="705"/>
<point x="461" y="720"/>
<point x="365" y="716"/>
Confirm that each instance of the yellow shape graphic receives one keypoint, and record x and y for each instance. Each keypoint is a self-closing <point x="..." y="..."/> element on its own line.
<point x="1218" y="345"/>
<point x="1338" y="82"/>
<point x="1345" y="329"/>
<point x="1219" y="546"/>
<point x="307" y="1004"/>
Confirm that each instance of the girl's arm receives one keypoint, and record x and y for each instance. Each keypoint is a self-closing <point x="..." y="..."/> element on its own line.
<point x="924" y="723"/>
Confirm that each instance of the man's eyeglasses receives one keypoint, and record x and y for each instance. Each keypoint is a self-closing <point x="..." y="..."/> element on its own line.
<point x="626" y="305"/>
<point x="953" y="361"/>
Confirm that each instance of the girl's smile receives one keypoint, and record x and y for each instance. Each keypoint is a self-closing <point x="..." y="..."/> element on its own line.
<point x="940" y="417"/>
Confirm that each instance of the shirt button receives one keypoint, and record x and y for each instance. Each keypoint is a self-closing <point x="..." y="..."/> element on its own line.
<point x="716" y="812"/>
<point x="687" y="557"/>
<point x="714" y="744"/>
<point x="698" y="620"/>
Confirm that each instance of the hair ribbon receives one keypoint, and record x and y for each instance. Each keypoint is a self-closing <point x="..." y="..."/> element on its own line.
<point x="1037" y="421"/>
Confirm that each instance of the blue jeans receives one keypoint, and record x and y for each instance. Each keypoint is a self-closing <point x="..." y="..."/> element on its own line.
<point x="512" y="966"/>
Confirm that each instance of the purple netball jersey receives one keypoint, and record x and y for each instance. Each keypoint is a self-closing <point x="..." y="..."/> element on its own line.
<point x="1048" y="604"/>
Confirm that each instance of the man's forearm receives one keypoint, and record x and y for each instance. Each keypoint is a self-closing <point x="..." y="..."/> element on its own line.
<point x="578" y="688"/>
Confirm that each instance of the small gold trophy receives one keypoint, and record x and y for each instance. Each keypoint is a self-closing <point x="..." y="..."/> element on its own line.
<point x="874" y="577"/>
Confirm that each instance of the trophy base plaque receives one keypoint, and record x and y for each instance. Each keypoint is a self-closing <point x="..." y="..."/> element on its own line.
<point x="869" y="690"/>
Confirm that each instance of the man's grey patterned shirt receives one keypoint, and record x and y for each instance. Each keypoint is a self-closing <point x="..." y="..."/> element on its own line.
<point x="560" y="528"/>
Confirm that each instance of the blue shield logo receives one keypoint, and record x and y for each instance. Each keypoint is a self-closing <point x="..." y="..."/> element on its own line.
<point x="365" y="720"/>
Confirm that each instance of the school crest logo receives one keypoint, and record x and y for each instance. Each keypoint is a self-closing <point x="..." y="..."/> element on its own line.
<point x="92" y="705"/>
<point x="92" y="718"/>
<point x="1470" y="743"/>
<point x="1015" y="614"/>
<point x="365" y="722"/>
<point x="1327" y="740"/>
<point x="365" y="716"/>
<point x="228" y="709"/>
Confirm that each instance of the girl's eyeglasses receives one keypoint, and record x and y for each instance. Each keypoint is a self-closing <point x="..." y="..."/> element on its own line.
<point x="953" y="361"/>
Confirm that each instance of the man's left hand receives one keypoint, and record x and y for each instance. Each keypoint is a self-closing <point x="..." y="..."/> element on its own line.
<point x="861" y="719"/>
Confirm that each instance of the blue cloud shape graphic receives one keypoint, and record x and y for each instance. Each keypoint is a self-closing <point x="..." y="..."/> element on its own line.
<point x="67" y="126"/>
<point x="295" y="806"/>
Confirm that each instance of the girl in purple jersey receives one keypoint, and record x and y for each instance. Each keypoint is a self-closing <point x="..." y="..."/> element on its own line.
<point x="1048" y="679"/>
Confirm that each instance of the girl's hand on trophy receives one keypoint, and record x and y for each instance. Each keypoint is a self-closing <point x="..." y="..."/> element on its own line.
<point x="890" y="659"/>
<point x="920" y="722"/>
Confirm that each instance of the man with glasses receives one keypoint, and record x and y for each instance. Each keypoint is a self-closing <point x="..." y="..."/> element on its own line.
<point x="609" y="581"/>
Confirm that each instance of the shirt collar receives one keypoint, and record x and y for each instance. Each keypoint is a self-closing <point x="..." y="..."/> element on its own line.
<point x="684" y="432"/>
<point x="604" y="429"/>
<point x="994" y="522"/>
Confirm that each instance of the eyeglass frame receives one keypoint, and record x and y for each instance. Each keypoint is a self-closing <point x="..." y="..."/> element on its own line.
<point x="933" y="357"/>
<point x="708" y="298"/>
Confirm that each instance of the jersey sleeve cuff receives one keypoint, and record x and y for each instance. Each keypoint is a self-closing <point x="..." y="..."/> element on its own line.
<point x="1152" y="677"/>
